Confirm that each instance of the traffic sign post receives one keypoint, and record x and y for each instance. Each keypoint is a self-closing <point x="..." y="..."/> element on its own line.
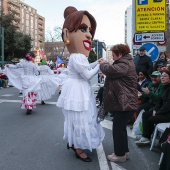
<point x="150" y="15"/>
<point x="151" y="50"/>
<point x="150" y="37"/>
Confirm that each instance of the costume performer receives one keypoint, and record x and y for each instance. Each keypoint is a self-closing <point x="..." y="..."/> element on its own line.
<point x="24" y="76"/>
<point x="49" y="83"/>
<point x="77" y="100"/>
<point x="25" y="79"/>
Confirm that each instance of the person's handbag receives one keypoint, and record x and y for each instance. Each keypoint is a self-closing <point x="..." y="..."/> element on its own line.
<point x="137" y="126"/>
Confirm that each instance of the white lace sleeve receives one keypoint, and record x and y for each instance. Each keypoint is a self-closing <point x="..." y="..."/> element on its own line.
<point x="92" y="65"/>
<point x="82" y="66"/>
<point x="88" y="74"/>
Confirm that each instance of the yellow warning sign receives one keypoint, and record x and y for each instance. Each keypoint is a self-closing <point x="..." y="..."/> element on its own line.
<point x="150" y="15"/>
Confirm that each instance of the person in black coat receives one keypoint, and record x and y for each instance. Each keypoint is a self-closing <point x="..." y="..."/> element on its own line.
<point x="143" y="62"/>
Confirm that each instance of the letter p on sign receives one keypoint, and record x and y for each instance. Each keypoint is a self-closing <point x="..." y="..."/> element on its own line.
<point x="142" y="2"/>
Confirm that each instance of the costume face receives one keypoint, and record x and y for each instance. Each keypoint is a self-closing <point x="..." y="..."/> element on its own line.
<point x="81" y="40"/>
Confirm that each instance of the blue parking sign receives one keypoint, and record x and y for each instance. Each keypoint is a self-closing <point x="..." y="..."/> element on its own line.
<point x="151" y="50"/>
<point x="142" y="2"/>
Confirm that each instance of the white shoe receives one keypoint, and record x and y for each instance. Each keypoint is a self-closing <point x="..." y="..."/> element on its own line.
<point x="127" y="155"/>
<point x="142" y="141"/>
<point x="138" y="137"/>
<point x="114" y="158"/>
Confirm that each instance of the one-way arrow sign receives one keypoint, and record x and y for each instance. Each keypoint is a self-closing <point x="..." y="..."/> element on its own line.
<point x="145" y="37"/>
<point x="150" y="37"/>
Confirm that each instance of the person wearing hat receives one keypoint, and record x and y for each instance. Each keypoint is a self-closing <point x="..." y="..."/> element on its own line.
<point x="160" y="113"/>
<point x="149" y="95"/>
<point x="159" y="67"/>
<point x="143" y="62"/>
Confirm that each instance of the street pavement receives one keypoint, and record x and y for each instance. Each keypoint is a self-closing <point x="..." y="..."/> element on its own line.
<point x="35" y="142"/>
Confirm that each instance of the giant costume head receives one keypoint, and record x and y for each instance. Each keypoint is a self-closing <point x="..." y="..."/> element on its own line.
<point x="78" y="30"/>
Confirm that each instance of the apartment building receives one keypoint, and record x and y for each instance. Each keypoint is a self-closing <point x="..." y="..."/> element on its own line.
<point x="28" y="20"/>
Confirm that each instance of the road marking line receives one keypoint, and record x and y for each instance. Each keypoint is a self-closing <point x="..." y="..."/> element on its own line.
<point x="116" y="166"/>
<point x="19" y="101"/>
<point x="7" y="95"/>
<point x="102" y="158"/>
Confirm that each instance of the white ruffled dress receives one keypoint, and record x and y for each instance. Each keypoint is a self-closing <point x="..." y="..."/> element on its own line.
<point x="49" y="82"/>
<point x="78" y="104"/>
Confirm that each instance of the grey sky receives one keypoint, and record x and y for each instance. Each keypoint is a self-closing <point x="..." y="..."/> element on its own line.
<point x="109" y="15"/>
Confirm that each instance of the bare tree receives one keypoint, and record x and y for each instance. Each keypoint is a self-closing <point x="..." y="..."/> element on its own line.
<point x="54" y="36"/>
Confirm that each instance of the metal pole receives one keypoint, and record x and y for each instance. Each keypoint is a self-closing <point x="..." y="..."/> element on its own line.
<point x="2" y="46"/>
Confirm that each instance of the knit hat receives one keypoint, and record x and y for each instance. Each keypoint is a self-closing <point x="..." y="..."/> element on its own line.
<point x="142" y="48"/>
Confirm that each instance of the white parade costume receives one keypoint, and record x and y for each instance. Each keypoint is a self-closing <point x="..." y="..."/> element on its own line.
<point x="77" y="101"/>
<point x="49" y="82"/>
<point x="24" y="76"/>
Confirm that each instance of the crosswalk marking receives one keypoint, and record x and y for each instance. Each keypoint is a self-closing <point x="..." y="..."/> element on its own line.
<point x="7" y="95"/>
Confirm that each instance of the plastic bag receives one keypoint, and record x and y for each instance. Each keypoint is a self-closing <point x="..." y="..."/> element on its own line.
<point x="137" y="126"/>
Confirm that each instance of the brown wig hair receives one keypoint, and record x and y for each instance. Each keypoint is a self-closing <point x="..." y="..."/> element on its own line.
<point x="121" y="49"/>
<point x="73" y="19"/>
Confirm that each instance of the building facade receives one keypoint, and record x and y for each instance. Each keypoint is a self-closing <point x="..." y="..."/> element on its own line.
<point x="128" y="27"/>
<point x="52" y="49"/>
<point x="28" y="20"/>
<point x="99" y="48"/>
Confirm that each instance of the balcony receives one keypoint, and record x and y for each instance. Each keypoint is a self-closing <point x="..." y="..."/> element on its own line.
<point x="16" y="3"/>
<point x="14" y="10"/>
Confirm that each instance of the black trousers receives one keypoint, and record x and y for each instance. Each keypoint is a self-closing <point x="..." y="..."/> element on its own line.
<point x="149" y="121"/>
<point x="100" y="95"/>
<point x="120" y="139"/>
<point x="145" y="106"/>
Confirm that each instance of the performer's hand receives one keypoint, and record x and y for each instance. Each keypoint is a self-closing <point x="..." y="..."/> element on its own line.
<point x="7" y="65"/>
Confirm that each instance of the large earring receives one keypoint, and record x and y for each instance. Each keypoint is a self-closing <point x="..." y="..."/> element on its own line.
<point x="67" y="42"/>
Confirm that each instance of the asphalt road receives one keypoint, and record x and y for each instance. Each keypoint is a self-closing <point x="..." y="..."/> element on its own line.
<point x="35" y="142"/>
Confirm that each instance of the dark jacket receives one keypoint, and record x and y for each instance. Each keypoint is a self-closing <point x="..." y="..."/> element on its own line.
<point x="154" y="92"/>
<point x="163" y="104"/>
<point x="120" y="89"/>
<point x="145" y="83"/>
<point x="143" y="63"/>
<point x="160" y="61"/>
